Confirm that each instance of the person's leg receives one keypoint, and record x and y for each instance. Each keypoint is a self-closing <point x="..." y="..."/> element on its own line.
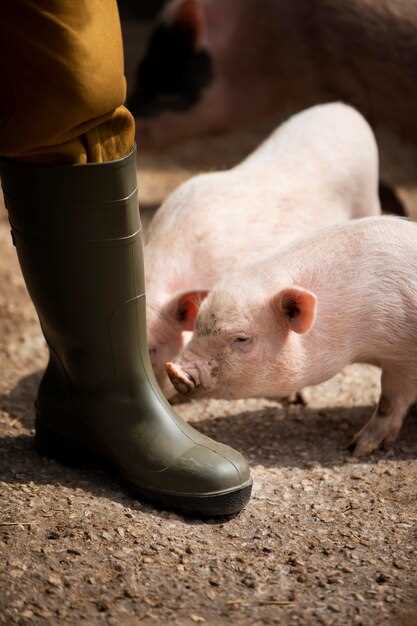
<point x="77" y="231"/>
<point x="63" y="82"/>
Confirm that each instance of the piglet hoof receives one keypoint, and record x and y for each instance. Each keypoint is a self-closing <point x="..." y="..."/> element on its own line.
<point x="359" y="450"/>
<point x="182" y="381"/>
<point x="362" y="445"/>
<point x="295" y="399"/>
<point x="351" y="447"/>
<point x="298" y="398"/>
<point x="376" y="434"/>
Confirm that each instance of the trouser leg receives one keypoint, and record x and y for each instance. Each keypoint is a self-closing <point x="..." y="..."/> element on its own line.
<point x="63" y="82"/>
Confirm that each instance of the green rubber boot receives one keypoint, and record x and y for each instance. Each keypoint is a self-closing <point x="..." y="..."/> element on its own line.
<point x="78" y="236"/>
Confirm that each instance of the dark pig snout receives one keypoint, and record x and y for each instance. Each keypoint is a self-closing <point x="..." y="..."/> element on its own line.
<point x="183" y="382"/>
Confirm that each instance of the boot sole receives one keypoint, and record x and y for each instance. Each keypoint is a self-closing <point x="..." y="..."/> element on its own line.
<point x="226" y="503"/>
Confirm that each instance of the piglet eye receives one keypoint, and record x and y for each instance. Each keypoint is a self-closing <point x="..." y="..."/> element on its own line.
<point x="242" y="342"/>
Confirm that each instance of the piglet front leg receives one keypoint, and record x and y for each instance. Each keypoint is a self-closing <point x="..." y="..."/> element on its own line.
<point x="397" y="394"/>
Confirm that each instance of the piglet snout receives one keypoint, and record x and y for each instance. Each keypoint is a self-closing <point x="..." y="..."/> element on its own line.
<point x="183" y="382"/>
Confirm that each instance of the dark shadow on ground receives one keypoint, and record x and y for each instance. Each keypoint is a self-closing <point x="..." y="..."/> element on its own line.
<point x="267" y="437"/>
<point x="18" y="403"/>
<point x="20" y="463"/>
<point x="273" y="439"/>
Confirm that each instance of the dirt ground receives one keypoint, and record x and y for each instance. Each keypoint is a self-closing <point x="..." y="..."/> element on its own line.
<point x="325" y="540"/>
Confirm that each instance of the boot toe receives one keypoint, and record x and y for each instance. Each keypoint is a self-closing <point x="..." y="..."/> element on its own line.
<point x="203" y="471"/>
<point x="205" y="482"/>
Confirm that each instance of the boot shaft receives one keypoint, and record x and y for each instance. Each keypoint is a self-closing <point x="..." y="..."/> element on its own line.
<point x="77" y="232"/>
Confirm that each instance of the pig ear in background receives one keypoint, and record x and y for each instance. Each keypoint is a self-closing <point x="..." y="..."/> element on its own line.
<point x="299" y="308"/>
<point x="189" y="15"/>
<point x="187" y="308"/>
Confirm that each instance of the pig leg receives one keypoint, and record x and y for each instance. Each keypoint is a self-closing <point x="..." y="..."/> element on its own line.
<point x="295" y="398"/>
<point x="397" y="394"/>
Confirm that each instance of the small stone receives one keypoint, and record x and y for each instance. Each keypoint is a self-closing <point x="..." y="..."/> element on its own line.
<point x="389" y="599"/>
<point x="197" y="619"/>
<point x="106" y="535"/>
<point x="358" y="597"/>
<point x="130" y="592"/>
<point x="53" y="534"/>
<point x="102" y="606"/>
<point x="333" y="580"/>
<point x="249" y="582"/>
<point x="381" y="578"/>
<point x="55" y="580"/>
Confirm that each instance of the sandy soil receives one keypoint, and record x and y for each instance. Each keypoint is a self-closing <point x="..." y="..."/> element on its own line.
<point x="325" y="540"/>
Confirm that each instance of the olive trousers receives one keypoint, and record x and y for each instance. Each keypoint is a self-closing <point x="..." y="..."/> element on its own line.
<point x="63" y="82"/>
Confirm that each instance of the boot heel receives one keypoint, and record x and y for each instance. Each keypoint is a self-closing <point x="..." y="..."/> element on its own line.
<point x="60" y="448"/>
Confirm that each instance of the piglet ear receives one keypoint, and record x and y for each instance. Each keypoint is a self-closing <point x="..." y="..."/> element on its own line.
<point x="298" y="307"/>
<point x="187" y="14"/>
<point x="187" y="308"/>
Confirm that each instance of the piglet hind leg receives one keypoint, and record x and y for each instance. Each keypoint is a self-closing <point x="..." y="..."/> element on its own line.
<point x="398" y="392"/>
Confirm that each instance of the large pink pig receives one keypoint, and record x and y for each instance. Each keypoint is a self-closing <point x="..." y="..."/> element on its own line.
<point x="215" y="65"/>
<point x="346" y="294"/>
<point x="317" y="169"/>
